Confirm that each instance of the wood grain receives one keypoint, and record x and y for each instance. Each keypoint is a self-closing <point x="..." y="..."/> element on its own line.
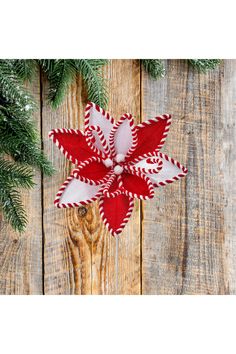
<point x="183" y="228"/>
<point x="227" y="138"/>
<point x="67" y="251"/>
<point x="21" y="255"/>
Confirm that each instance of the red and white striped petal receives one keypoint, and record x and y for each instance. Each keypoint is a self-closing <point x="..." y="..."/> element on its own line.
<point x="92" y="171"/>
<point x="97" y="142"/>
<point x="137" y="185"/>
<point x="149" y="165"/>
<point x="171" y="171"/>
<point x="123" y="137"/>
<point x="151" y="136"/>
<point x="116" y="212"/>
<point x="72" y="143"/>
<point x="113" y="186"/>
<point x="95" y="115"/>
<point x="74" y="193"/>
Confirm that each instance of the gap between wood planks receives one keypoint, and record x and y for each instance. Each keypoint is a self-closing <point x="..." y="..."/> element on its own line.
<point x="141" y="203"/>
<point x="42" y="177"/>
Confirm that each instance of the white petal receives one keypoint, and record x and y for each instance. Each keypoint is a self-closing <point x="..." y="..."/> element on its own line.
<point x="123" y="137"/>
<point x="96" y="140"/>
<point x="74" y="192"/>
<point x="171" y="171"/>
<point x="95" y="115"/>
<point x="148" y="165"/>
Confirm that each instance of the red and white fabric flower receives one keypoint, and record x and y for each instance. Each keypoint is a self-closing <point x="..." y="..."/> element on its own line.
<point x="115" y="163"/>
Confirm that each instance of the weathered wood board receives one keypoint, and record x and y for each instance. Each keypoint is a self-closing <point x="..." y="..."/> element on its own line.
<point x="180" y="242"/>
<point x="21" y="265"/>
<point x="184" y="229"/>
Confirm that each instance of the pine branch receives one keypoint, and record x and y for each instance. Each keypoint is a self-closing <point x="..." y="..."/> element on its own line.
<point x="20" y="140"/>
<point x="203" y="65"/>
<point x="16" y="175"/>
<point x="154" y="67"/>
<point x="12" y="90"/>
<point x="61" y="74"/>
<point x="25" y="68"/>
<point x="91" y="71"/>
<point x="12" y="207"/>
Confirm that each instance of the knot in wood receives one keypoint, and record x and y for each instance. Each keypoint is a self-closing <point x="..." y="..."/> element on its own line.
<point x="82" y="211"/>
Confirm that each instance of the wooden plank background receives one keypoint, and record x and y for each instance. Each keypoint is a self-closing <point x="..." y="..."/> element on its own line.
<point x="180" y="242"/>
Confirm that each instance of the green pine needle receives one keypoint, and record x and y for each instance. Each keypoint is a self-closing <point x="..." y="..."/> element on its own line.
<point x="91" y="71"/>
<point x="12" y="90"/>
<point x="25" y="68"/>
<point x="154" y="67"/>
<point x="15" y="174"/>
<point x="203" y="65"/>
<point x="61" y="74"/>
<point x="19" y="139"/>
<point x="12" y="207"/>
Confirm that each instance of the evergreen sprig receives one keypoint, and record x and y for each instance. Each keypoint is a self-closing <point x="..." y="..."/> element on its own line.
<point x="62" y="72"/>
<point x="19" y="140"/>
<point x="12" y="207"/>
<point x="11" y="89"/>
<point x="154" y="67"/>
<point x="203" y="65"/>
<point x="91" y="71"/>
<point x="16" y="175"/>
<point x="25" y="68"/>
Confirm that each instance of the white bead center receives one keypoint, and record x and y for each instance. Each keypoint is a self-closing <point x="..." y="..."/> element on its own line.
<point x="108" y="162"/>
<point x="118" y="169"/>
<point x="120" y="158"/>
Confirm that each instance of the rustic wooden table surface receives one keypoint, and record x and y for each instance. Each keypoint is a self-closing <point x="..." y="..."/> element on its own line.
<point x="181" y="242"/>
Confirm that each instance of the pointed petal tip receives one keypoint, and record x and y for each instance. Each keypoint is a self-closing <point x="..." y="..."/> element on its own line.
<point x="51" y="133"/>
<point x="114" y="222"/>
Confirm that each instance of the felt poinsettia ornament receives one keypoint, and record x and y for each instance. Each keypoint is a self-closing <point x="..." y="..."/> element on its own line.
<point x="116" y="162"/>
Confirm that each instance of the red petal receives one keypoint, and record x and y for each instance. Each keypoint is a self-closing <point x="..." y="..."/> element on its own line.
<point x="151" y="136"/>
<point x="137" y="185"/>
<point x="92" y="171"/>
<point x="115" y="212"/>
<point x="72" y="143"/>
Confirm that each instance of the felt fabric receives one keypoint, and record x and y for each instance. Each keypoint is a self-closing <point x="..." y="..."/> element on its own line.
<point x="93" y="170"/>
<point x="96" y="116"/>
<point x="170" y="171"/>
<point x="75" y="192"/>
<point x="116" y="162"/>
<point x="72" y="143"/>
<point x="150" y="135"/>
<point x="137" y="186"/>
<point x="116" y="212"/>
<point x="148" y="165"/>
<point x="123" y="136"/>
